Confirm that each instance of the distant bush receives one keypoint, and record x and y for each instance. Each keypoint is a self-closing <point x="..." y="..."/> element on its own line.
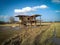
<point x="2" y="22"/>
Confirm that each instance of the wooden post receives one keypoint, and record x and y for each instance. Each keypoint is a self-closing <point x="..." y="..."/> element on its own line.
<point x="31" y="21"/>
<point x="19" y="22"/>
<point x="40" y="20"/>
<point x="35" y="20"/>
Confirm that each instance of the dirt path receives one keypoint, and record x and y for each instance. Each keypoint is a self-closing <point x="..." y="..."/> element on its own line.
<point x="30" y="34"/>
<point x="38" y="37"/>
<point x="54" y="40"/>
<point x="34" y="39"/>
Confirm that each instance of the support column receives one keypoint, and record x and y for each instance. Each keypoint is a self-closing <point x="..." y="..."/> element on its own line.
<point x="40" y="20"/>
<point x="35" y="20"/>
<point x="31" y="23"/>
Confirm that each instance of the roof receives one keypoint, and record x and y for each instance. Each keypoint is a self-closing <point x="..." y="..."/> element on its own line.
<point x="35" y="15"/>
<point x="21" y="16"/>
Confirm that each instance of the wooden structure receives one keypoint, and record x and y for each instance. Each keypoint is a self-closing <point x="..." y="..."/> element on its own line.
<point x="25" y="19"/>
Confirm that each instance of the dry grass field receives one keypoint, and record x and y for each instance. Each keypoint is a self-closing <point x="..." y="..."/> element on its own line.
<point x="35" y="35"/>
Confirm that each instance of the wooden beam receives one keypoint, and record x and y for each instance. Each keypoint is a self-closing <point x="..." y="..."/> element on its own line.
<point x="40" y="20"/>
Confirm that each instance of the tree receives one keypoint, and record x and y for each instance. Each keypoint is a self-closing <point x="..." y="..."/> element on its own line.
<point x="2" y="22"/>
<point x="11" y="20"/>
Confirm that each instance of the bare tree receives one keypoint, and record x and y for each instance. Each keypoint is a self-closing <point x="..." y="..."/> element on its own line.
<point x="11" y="20"/>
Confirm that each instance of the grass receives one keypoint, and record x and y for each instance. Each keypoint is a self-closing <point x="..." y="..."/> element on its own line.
<point x="45" y="38"/>
<point x="34" y="36"/>
<point x="6" y="34"/>
<point x="57" y="29"/>
<point x="46" y="35"/>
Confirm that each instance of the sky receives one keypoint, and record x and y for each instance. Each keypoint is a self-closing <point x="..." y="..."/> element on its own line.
<point x="49" y="9"/>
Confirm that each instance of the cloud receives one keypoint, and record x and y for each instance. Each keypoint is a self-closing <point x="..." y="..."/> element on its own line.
<point x="43" y="6"/>
<point x="2" y="16"/>
<point x="58" y="11"/>
<point x="56" y="1"/>
<point x="28" y="9"/>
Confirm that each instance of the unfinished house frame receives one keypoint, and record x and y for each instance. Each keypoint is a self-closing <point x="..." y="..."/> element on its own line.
<point x="25" y="19"/>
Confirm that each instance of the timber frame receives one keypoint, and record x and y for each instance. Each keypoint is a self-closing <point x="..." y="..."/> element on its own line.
<point x="24" y="19"/>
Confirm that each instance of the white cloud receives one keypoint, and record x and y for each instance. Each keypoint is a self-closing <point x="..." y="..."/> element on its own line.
<point x="56" y="1"/>
<point x="4" y="16"/>
<point x="40" y="7"/>
<point x="43" y="6"/>
<point x="28" y="9"/>
<point x="58" y="11"/>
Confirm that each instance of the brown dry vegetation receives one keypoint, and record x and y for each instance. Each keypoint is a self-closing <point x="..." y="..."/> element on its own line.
<point x="29" y="36"/>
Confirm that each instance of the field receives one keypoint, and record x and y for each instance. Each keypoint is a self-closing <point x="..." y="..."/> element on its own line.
<point x="46" y="34"/>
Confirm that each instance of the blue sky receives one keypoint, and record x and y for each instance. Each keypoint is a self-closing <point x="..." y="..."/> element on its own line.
<point x="49" y="9"/>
